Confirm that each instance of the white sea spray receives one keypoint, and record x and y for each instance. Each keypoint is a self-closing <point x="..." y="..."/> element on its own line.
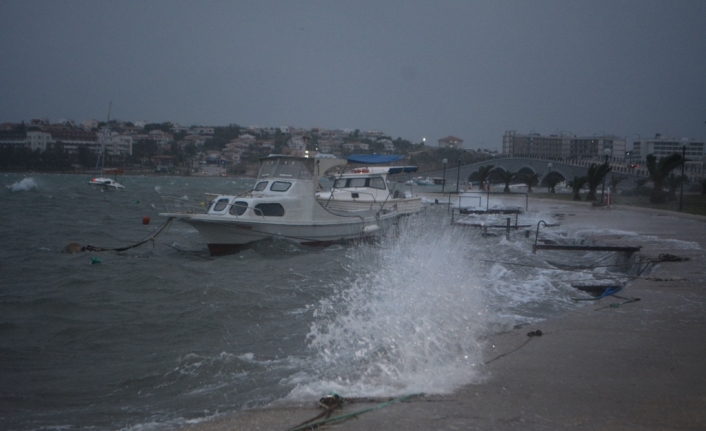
<point x="26" y="184"/>
<point x="407" y="319"/>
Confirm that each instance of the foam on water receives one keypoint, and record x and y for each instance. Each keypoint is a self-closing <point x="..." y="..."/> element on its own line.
<point x="24" y="185"/>
<point x="407" y="319"/>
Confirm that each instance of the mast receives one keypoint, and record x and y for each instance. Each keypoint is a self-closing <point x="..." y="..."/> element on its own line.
<point x="101" y="156"/>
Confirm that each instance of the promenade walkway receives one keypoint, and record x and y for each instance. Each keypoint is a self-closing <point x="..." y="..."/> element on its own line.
<point x="636" y="366"/>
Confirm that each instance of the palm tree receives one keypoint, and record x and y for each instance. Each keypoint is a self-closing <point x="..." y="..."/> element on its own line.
<point x="576" y="185"/>
<point x="507" y="177"/>
<point x="659" y="171"/>
<point x="529" y="179"/>
<point x="552" y="181"/>
<point x="615" y="180"/>
<point x="595" y="176"/>
<point x="483" y="174"/>
<point x="673" y="182"/>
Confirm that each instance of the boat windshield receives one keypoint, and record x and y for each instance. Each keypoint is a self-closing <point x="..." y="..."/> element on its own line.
<point x="284" y="168"/>
<point x="374" y="182"/>
<point x="266" y="168"/>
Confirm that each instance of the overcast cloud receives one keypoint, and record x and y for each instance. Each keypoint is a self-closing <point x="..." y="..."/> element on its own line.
<point x="412" y="69"/>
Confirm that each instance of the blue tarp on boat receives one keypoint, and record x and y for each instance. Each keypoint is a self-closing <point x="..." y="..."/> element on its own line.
<point x="400" y="169"/>
<point x="372" y="159"/>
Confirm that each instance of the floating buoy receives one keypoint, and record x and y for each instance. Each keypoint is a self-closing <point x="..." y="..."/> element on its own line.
<point x="146" y="220"/>
<point x="95" y="260"/>
<point x="72" y="248"/>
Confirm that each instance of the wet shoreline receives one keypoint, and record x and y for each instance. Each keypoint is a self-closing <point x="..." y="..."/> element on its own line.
<point x="613" y="364"/>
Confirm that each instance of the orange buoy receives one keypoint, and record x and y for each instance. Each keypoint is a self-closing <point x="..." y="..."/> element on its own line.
<point x="146" y="220"/>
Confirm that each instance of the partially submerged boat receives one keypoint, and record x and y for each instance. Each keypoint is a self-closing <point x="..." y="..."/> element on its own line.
<point x="106" y="182"/>
<point x="281" y="205"/>
<point x="367" y="188"/>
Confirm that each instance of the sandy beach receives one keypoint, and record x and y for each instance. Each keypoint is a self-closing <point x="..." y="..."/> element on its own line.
<point x="614" y="364"/>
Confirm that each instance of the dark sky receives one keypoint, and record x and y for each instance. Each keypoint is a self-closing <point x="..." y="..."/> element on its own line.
<point x="413" y="69"/>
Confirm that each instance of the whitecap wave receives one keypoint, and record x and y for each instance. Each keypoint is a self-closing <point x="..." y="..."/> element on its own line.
<point x="26" y="184"/>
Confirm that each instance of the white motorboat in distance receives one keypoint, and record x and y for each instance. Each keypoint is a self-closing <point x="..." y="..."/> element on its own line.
<point x="367" y="188"/>
<point x="107" y="183"/>
<point x="281" y="206"/>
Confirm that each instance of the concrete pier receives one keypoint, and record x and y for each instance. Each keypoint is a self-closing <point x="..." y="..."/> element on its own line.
<point x="611" y="365"/>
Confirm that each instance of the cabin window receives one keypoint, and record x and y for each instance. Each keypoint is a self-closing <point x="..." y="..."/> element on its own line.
<point x="304" y="174"/>
<point x="339" y="184"/>
<point x="288" y="169"/>
<point x="280" y="186"/>
<point x="262" y="185"/>
<point x="221" y="204"/>
<point x="357" y="182"/>
<point x="275" y="210"/>
<point x="266" y="168"/>
<point x="377" y="183"/>
<point x="238" y="208"/>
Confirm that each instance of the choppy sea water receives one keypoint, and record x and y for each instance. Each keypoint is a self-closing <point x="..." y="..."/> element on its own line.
<point x="163" y="335"/>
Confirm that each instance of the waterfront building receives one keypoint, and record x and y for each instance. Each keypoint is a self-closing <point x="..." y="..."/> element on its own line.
<point x="662" y="146"/>
<point x="562" y="145"/>
<point x="450" y="142"/>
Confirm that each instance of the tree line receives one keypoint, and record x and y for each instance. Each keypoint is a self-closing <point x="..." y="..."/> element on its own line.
<point x="661" y="175"/>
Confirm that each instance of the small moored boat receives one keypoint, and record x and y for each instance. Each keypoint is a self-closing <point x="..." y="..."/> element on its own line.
<point x="106" y="182"/>
<point x="367" y="188"/>
<point x="281" y="205"/>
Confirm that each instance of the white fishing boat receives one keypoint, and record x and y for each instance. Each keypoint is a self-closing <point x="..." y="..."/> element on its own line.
<point x="281" y="206"/>
<point x="367" y="188"/>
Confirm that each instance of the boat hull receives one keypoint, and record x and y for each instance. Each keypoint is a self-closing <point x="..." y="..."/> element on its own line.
<point x="224" y="235"/>
<point x="106" y="183"/>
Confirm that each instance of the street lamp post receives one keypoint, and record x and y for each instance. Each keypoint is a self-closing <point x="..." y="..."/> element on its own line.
<point x="458" y="175"/>
<point x="550" y="166"/>
<point x="684" y="143"/>
<point x="607" y="153"/>
<point x="443" y="184"/>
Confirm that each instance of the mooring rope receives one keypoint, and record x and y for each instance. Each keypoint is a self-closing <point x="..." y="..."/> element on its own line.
<point x="335" y="401"/>
<point x="151" y="237"/>
<point x="530" y="334"/>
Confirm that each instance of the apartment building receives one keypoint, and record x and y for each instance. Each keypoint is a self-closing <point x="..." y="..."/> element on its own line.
<point x="662" y="146"/>
<point x="562" y="145"/>
<point x="450" y="142"/>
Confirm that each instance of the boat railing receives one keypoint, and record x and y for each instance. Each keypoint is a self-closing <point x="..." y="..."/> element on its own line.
<point x="360" y="213"/>
<point x="180" y="205"/>
<point x="374" y="204"/>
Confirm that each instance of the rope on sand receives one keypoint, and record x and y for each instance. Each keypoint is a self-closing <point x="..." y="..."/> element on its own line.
<point x="335" y="401"/>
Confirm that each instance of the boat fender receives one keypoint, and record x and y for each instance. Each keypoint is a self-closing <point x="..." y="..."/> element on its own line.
<point x="370" y="228"/>
<point x="146" y="220"/>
